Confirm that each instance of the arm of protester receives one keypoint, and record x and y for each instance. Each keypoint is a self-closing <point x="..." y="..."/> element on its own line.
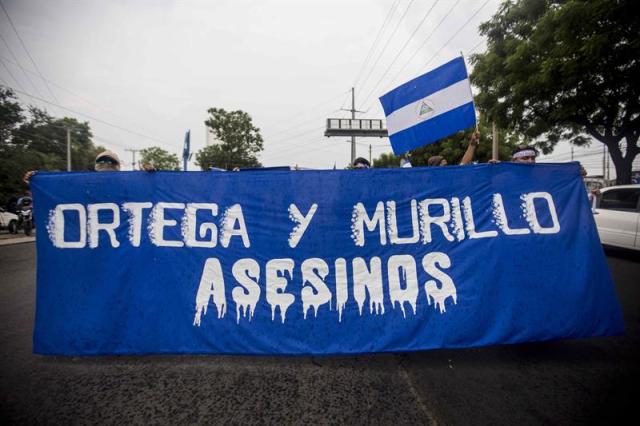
<point x="471" y="149"/>
<point x="28" y="175"/>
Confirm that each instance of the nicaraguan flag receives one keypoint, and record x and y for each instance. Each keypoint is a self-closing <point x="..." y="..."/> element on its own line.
<point x="430" y="107"/>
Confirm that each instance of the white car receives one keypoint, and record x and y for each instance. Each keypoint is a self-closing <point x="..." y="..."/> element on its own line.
<point x="8" y="221"/>
<point x="617" y="215"/>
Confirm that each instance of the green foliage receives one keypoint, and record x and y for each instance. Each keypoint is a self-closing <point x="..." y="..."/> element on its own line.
<point x="386" y="160"/>
<point x="562" y="70"/>
<point x="454" y="147"/>
<point x="159" y="158"/>
<point x="240" y="141"/>
<point x="38" y="141"/>
<point x="11" y="114"/>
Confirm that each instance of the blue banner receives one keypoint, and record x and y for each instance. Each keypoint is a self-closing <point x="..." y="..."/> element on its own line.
<point x="317" y="262"/>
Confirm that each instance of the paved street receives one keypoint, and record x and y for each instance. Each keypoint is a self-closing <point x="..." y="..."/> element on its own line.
<point x="564" y="382"/>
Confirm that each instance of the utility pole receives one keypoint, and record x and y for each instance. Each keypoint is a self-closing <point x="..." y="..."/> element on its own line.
<point x="68" y="149"/>
<point x="133" y="157"/>
<point x="369" y="155"/>
<point x="604" y="156"/>
<point x="353" y="115"/>
<point x="571" y="153"/>
<point x="365" y="127"/>
<point x="494" y="147"/>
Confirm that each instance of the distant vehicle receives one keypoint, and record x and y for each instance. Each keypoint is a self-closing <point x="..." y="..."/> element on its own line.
<point x="597" y="182"/>
<point x="8" y="221"/>
<point x="24" y="208"/>
<point x="617" y="216"/>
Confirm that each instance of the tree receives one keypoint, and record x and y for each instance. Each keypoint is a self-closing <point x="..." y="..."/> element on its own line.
<point x="565" y="70"/>
<point x="159" y="158"/>
<point x="11" y="114"/>
<point x="240" y="141"/>
<point x="45" y="138"/>
<point x="34" y="140"/>
<point x="386" y="160"/>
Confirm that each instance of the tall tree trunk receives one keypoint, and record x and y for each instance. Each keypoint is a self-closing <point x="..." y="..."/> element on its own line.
<point x="622" y="164"/>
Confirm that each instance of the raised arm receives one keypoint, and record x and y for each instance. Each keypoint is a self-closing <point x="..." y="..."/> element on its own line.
<point x="471" y="149"/>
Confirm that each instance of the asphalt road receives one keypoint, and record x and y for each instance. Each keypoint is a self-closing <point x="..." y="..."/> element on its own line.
<point x="583" y="381"/>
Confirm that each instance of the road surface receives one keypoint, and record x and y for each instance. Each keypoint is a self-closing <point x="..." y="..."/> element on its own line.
<point x="562" y="382"/>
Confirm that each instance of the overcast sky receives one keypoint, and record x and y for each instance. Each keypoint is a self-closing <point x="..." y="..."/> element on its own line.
<point x="146" y="71"/>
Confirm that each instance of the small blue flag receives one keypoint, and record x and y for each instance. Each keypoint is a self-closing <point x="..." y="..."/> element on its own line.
<point x="430" y="107"/>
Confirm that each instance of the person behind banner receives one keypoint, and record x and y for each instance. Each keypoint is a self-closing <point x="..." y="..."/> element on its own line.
<point x="592" y="194"/>
<point x="361" y="163"/>
<point x="106" y="161"/>
<point x="467" y="158"/>
<point x="524" y="154"/>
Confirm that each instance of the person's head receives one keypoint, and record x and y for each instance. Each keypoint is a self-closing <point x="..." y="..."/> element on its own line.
<point x="524" y="154"/>
<point x="583" y="171"/>
<point x="361" y="163"/>
<point x="107" y="161"/>
<point x="436" y="160"/>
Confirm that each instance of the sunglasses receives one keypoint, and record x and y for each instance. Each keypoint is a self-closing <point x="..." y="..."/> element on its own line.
<point x="107" y="160"/>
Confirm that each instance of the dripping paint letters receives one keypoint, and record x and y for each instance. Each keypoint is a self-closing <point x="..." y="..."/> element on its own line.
<point x="272" y="262"/>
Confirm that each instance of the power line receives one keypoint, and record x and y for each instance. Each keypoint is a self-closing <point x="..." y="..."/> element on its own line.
<point x="82" y="98"/>
<point x="299" y="114"/>
<point x="306" y="144"/>
<point x="406" y="43"/>
<point x="446" y="15"/>
<point x="375" y="42"/>
<point x="278" y="155"/>
<point x="457" y="32"/>
<point x="24" y="46"/>
<point x="568" y="154"/>
<point x="314" y="119"/>
<point x="115" y="126"/>
<point x="473" y="49"/>
<point x="16" y="59"/>
<point x="302" y="145"/>
<point x="386" y="44"/>
<point x="32" y="135"/>
<point x="11" y="74"/>
<point x="315" y="129"/>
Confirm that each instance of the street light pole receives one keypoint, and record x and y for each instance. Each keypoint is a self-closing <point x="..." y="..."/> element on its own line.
<point x="133" y="157"/>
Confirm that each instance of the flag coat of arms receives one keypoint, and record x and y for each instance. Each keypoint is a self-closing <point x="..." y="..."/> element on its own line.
<point x="430" y="107"/>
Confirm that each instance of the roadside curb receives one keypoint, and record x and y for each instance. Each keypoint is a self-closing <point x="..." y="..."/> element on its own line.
<point x="19" y="240"/>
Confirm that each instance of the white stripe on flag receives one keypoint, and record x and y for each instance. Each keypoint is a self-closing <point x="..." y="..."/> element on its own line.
<point x="431" y="106"/>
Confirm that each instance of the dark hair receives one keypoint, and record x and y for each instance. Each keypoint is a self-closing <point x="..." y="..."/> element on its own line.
<point x="361" y="160"/>
<point x="435" y="160"/>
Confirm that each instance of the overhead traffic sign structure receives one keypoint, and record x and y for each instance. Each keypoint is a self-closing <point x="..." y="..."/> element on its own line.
<point x="355" y="127"/>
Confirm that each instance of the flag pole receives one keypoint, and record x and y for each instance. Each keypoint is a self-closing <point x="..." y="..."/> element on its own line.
<point x="472" y="99"/>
